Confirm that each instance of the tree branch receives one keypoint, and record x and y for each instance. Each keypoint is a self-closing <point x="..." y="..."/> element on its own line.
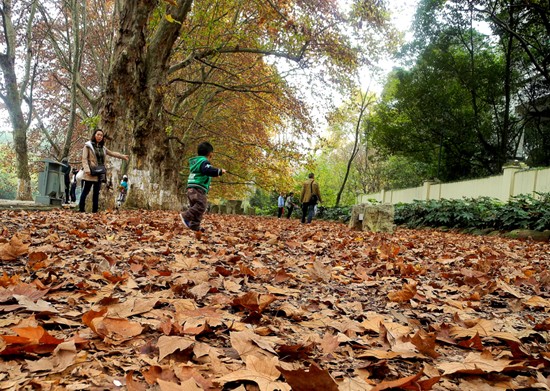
<point x="227" y="88"/>
<point x="237" y="49"/>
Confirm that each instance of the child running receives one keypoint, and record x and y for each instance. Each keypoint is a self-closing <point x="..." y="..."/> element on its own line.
<point x="198" y="184"/>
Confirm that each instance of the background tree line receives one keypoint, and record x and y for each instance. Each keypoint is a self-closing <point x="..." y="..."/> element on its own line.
<point x="464" y="102"/>
<point x="161" y="76"/>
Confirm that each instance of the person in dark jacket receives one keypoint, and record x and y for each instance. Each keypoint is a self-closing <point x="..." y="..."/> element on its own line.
<point x="66" y="170"/>
<point x="290" y="205"/>
<point x="73" y="185"/>
<point x="201" y="173"/>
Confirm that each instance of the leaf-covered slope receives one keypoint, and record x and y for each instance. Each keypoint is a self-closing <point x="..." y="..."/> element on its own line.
<point x="135" y="300"/>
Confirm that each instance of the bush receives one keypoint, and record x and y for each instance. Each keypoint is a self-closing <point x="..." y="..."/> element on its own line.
<point x="340" y="213"/>
<point x="8" y="185"/>
<point x="521" y="212"/>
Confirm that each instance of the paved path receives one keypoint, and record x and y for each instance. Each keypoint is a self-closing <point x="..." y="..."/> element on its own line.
<point x="24" y="205"/>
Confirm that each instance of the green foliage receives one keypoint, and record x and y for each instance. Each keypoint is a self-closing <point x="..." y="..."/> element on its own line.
<point x="329" y="173"/>
<point x="341" y="213"/>
<point x="8" y="185"/>
<point x="451" y="110"/>
<point x="91" y="122"/>
<point x="399" y="172"/>
<point x="264" y="202"/>
<point x="8" y="175"/>
<point x="521" y="212"/>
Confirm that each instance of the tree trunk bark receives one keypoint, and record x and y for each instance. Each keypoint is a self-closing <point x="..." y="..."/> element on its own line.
<point x="78" y="12"/>
<point x="19" y="126"/>
<point x="364" y="104"/>
<point x="132" y="110"/>
<point x="12" y="99"/>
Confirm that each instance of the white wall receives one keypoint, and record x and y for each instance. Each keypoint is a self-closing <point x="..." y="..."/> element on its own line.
<point x="512" y="182"/>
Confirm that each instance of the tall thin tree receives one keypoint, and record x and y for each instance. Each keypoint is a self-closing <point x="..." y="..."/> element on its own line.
<point x="15" y="95"/>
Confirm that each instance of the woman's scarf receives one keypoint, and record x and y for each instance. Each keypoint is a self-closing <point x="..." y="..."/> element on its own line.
<point x="99" y="154"/>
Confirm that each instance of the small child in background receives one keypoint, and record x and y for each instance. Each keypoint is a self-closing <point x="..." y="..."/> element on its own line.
<point x="201" y="173"/>
<point x="123" y="189"/>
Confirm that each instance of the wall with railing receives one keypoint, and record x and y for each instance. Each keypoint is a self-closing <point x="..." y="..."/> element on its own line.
<point x="513" y="181"/>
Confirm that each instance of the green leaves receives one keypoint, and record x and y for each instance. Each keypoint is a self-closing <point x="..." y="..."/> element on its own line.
<point x="521" y="212"/>
<point x="171" y="19"/>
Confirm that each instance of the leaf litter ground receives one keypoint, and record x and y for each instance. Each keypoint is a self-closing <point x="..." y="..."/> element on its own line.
<point x="134" y="301"/>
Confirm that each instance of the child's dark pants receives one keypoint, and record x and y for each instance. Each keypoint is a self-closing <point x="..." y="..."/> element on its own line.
<point x="197" y="207"/>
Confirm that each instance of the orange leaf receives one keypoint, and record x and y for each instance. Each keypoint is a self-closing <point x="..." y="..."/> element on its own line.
<point x="425" y="343"/>
<point x="314" y="378"/>
<point x="405" y="294"/>
<point x="254" y="301"/>
<point x="6" y="280"/>
<point x="114" y="279"/>
<point x="89" y="316"/>
<point x="133" y="385"/>
<point x="155" y="372"/>
<point x="13" y="249"/>
<point x="399" y="383"/>
<point x="474" y="342"/>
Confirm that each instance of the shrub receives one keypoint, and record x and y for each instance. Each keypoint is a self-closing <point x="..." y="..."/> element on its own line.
<point x="340" y="213"/>
<point x="523" y="211"/>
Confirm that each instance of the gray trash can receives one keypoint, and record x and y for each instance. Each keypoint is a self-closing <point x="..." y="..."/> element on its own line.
<point x="51" y="185"/>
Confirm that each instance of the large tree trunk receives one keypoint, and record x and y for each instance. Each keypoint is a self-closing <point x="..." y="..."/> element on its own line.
<point x="132" y="112"/>
<point x="13" y="97"/>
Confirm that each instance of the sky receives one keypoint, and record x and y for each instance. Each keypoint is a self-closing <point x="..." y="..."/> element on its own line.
<point x="402" y="16"/>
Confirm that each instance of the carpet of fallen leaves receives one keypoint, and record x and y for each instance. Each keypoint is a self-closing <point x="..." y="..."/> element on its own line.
<point x="134" y="301"/>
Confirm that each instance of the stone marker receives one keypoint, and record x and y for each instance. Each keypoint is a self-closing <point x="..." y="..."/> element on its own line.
<point x="372" y="217"/>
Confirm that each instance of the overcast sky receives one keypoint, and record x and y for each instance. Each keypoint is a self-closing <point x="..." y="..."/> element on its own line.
<point x="402" y="15"/>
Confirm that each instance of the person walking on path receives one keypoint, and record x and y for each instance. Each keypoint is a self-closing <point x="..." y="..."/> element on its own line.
<point x="201" y="173"/>
<point x="66" y="170"/>
<point x="290" y="205"/>
<point x="280" y="205"/>
<point x="72" y="192"/>
<point x="94" y="156"/>
<point x="309" y="198"/>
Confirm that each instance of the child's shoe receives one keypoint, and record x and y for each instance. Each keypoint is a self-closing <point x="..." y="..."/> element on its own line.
<point x="184" y="221"/>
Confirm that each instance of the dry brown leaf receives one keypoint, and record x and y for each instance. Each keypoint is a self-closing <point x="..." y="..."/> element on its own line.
<point x="478" y="363"/>
<point x="168" y="345"/>
<point x="537" y="302"/>
<point x="155" y="372"/>
<point x="247" y="343"/>
<point x="116" y="331"/>
<point x="63" y="356"/>
<point x="319" y="272"/>
<point x="14" y="248"/>
<point x="405" y="294"/>
<point x="314" y="378"/>
<point x="425" y="343"/>
<point x="253" y="301"/>
<point x="188" y="385"/>
<point x="329" y="343"/>
<point x="399" y="383"/>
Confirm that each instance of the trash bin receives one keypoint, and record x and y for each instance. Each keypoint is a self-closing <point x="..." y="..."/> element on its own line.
<point x="51" y="185"/>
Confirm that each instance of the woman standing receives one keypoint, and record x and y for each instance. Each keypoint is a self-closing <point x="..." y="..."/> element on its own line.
<point x="94" y="155"/>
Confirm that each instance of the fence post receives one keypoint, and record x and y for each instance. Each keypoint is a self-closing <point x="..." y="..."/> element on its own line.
<point x="426" y="189"/>
<point x="508" y="174"/>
